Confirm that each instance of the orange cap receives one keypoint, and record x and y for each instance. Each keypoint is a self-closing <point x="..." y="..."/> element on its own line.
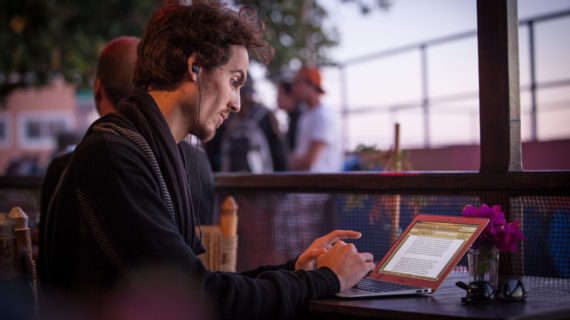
<point x="311" y="75"/>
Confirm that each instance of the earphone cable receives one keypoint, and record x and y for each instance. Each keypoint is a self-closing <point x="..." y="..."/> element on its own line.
<point x="196" y="157"/>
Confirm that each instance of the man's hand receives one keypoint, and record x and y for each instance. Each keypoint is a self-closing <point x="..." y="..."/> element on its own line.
<point x="348" y="265"/>
<point x="308" y="259"/>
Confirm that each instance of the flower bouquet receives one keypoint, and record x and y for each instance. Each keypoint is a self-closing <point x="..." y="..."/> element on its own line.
<point x="498" y="235"/>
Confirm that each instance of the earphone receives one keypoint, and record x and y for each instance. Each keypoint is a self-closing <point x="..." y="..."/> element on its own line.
<point x="196" y="70"/>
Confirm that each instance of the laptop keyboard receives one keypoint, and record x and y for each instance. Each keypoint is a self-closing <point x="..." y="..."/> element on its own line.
<point x="369" y="284"/>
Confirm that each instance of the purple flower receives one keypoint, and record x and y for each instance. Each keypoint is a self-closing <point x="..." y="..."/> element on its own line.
<point x="498" y="233"/>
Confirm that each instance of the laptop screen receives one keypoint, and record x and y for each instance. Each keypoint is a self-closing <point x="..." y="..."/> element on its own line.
<point x="427" y="249"/>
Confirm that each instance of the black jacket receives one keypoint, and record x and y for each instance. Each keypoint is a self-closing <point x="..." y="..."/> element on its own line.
<point x="110" y="218"/>
<point x="200" y="176"/>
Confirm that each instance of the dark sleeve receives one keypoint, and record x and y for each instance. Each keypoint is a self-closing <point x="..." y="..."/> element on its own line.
<point x="289" y="265"/>
<point x="140" y="228"/>
<point x="277" y="143"/>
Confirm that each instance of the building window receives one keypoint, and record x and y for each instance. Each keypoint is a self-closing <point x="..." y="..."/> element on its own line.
<point x="39" y="131"/>
<point x="5" y="131"/>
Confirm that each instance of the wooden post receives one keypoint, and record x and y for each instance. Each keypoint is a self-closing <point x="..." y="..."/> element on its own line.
<point x="229" y="225"/>
<point x="497" y="34"/>
<point x="398" y="161"/>
<point x="499" y="98"/>
<point x="396" y="165"/>
<point x="9" y="259"/>
<point x="228" y="217"/>
<point x="21" y="229"/>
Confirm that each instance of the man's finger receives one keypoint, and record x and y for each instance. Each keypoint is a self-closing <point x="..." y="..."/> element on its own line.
<point x="339" y="244"/>
<point x="368" y="257"/>
<point x="314" y="253"/>
<point x="342" y="234"/>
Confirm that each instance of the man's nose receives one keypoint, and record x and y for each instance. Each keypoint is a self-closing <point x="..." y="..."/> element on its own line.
<point x="235" y="103"/>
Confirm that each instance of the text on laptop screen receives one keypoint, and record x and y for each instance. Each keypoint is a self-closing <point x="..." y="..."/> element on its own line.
<point x="427" y="250"/>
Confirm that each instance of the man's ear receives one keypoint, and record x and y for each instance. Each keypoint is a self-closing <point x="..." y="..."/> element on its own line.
<point x="191" y="68"/>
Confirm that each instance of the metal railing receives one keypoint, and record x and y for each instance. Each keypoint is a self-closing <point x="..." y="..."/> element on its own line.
<point x="427" y="101"/>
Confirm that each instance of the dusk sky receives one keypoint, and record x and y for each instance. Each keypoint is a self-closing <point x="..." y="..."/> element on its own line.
<point x="452" y="69"/>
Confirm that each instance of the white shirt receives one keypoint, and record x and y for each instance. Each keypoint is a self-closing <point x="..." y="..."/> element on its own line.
<point x="320" y="123"/>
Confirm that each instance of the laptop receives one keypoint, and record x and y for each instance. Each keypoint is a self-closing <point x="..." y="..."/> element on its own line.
<point x="421" y="258"/>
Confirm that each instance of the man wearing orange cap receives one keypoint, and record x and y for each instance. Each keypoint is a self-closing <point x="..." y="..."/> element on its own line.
<point x="317" y="147"/>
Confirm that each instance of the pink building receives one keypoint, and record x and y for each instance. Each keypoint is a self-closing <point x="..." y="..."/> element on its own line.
<point x="31" y="119"/>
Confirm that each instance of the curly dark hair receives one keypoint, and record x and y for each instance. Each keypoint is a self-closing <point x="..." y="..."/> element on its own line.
<point x="206" y="28"/>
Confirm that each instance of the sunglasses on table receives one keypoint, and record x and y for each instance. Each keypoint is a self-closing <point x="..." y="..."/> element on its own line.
<point x="483" y="291"/>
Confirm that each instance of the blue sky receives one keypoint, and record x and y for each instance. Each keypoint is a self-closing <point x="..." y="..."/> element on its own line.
<point x="452" y="69"/>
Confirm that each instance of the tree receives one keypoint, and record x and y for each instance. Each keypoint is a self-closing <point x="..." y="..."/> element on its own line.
<point x="294" y="30"/>
<point x="46" y="38"/>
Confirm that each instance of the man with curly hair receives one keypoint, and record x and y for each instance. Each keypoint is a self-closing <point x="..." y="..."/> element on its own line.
<point x="124" y="203"/>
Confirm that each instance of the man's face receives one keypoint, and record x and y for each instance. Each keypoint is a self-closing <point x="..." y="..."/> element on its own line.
<point x="301" y="88"/>
<point x="285" y="100"/>
<point x="220" y="88"/>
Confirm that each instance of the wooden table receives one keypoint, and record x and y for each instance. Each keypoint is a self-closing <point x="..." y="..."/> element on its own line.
<point x="548" y="298"/>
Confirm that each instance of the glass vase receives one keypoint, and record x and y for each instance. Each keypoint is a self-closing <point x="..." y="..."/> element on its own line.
<point x="483" y="265"/>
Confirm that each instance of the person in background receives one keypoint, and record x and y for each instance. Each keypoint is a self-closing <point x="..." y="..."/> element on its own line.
<point x="252" y="141"/>
<point x="112" y="83"/>
<point x="287" y="102"/>
<point x="124" y="202"/>
<point x="317" y="145"/>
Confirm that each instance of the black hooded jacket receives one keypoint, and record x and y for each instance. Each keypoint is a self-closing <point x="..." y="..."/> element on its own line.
<point x="124" y="203"/>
